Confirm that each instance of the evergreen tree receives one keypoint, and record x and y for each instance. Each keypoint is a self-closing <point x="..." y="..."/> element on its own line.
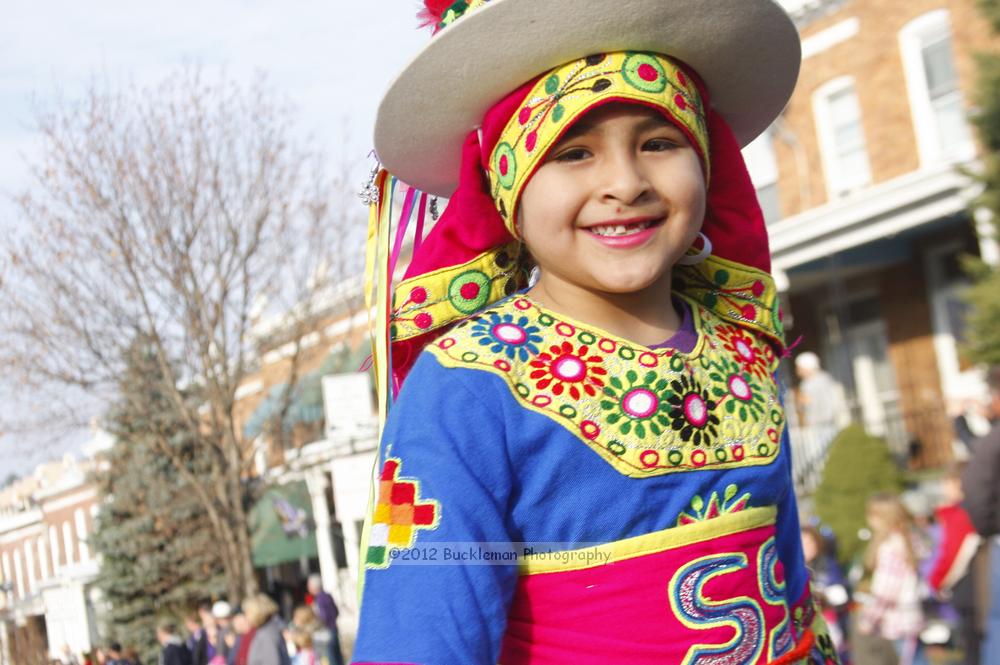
<point x="859" y="466"/>
<point x="158" y="553"/>
<point x="983" y="344"/>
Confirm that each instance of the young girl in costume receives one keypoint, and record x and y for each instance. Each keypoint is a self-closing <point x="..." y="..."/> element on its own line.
<point x="616" y="422"/>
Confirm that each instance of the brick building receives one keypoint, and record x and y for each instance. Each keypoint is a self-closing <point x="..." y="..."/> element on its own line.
<point x="46" y="565"/>
<point x="868" y="211"/>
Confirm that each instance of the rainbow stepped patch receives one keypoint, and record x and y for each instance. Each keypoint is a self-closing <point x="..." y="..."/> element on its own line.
<point x="399" y="515"/>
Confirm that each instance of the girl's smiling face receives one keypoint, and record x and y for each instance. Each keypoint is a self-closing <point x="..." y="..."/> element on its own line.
<point x="615" y="204"/>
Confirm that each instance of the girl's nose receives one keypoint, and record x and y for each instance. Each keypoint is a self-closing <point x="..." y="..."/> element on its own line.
<point x="623" y="179"/>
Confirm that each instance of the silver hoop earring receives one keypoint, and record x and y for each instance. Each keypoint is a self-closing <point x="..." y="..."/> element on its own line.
<point x="695" y="259"/>
<point x="534" y="276"/>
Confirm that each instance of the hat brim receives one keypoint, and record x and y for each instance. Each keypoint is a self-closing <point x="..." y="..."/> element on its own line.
<point x="747" y="52"/>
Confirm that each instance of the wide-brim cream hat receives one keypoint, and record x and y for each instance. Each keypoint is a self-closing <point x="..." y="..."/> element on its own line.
<point x="747" y="52"/>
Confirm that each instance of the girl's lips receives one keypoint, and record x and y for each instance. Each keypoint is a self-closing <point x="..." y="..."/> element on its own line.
<point x="628" y="241"/>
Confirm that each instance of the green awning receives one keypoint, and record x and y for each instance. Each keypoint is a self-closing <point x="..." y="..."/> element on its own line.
<point x="282" y="528"/>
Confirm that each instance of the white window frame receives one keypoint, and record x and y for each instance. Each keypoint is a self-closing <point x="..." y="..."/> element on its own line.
<point x="67" y="533"/>
<point x="8" y="576"/>
<point x="29" y="565"/>
<point x="912" y="38"/>
<point x="81" y="534"/>
<point x="762" y="164"/>
<point x="43" y="558"/>
<point x="18" y="574"/>
<point x="827" y="141"/>
<point x="54" y="543"/>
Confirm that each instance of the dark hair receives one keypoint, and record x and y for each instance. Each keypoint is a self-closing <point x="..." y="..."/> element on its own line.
<point x="115" y="646"/>
<point x="167" y="626"/>
<point x="205" y="606"/>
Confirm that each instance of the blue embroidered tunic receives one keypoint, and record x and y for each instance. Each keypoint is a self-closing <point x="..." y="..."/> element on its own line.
<point x="646" y="493"/>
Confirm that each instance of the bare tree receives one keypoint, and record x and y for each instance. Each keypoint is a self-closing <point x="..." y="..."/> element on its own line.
<point x="172" y="213"/>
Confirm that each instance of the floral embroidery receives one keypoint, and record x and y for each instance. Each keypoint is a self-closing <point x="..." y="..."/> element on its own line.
<point x="399" y="513"/>
<point x="568" y="370"/>
<point x="691" y="412"/>
<point x="434" y="300"/>
<point x="702" y="510"/>
<point x="736" y="292"/>
<point x="645" y="411"/>
<point x="640" y="406"/>
<point x="503" y="333"/>
<point x="746" y="351"/>
<point x="738" y="390"/>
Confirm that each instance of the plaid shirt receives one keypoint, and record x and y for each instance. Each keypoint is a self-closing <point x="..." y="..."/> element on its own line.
<point x="893" y="606"/>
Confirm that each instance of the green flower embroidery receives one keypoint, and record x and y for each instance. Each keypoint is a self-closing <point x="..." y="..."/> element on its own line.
<point x="737" y="389"/>
<point x="639" y="406"/>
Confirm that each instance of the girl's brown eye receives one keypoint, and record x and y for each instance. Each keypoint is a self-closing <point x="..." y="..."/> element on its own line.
<point x="660" y="145"/>
<point x="572" y="155"/>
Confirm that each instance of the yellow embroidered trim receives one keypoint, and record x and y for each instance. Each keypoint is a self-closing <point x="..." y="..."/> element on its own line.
<point x="568" y="92"/>
<point x="459" y="9"/>
<point x="736" y="292"/>
<point x="650" y="543"/>
<point x="647" y="412"/>
<point x="437" y="298"/>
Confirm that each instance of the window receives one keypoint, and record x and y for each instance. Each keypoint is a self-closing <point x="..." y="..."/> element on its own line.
<point x="18" y="574"/>
<point x="54" y="541"/>
<point x="932" y="83"/>
<point x="841" y="137"/>
<point x="81" y="534"/>
<point x="68" y="542"/>
<point x="8" y="578"/>
<point x="29" y="564"/>
<point x="43" y="558"/>
<point x="763" y="167"/>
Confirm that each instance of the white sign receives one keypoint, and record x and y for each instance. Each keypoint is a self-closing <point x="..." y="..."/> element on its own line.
<point x="348" y="403"/>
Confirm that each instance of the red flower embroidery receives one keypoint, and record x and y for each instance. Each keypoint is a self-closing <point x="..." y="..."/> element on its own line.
<point x="568" y="370"/>
<point x="746" y="351"/>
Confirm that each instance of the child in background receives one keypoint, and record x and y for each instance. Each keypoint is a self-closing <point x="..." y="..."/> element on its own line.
<point x="891" y="607"/>
<point x="304" y="652"/>
<point x="952" y="574"/>
<point x="828" y="583"/>
<point x="620" y="407"/>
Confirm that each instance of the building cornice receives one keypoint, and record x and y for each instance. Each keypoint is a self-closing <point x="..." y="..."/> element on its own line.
<point x="804" y="12"/>
<point x="870" y="214"/>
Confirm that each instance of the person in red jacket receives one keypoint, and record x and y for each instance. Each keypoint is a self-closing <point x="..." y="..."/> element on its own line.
<point x="952" y="575"/>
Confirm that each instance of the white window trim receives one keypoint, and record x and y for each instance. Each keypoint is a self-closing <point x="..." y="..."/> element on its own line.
<point x="7" y="576"/>
<point x="911" y="43"/>
<point x="67" y="534"/>
<point x="827" y="143"/>
<point x="54" y="543"/>
<point x="81" y="534"/>
<point x="43" y="558"/>
<point x="18" y="574"/>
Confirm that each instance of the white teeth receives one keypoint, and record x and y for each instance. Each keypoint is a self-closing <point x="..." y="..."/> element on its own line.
<point x="620" y="230"/>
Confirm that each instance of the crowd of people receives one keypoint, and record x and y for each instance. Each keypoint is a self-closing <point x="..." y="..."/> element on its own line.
<point x="252" y="633"/>
<point x="929" y="575"/>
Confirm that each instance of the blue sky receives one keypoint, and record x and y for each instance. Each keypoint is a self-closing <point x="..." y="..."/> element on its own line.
<point x="329" y="58"/>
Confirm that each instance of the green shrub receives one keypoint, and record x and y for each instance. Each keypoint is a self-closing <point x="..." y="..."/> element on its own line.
<point x="858" y="466"/>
